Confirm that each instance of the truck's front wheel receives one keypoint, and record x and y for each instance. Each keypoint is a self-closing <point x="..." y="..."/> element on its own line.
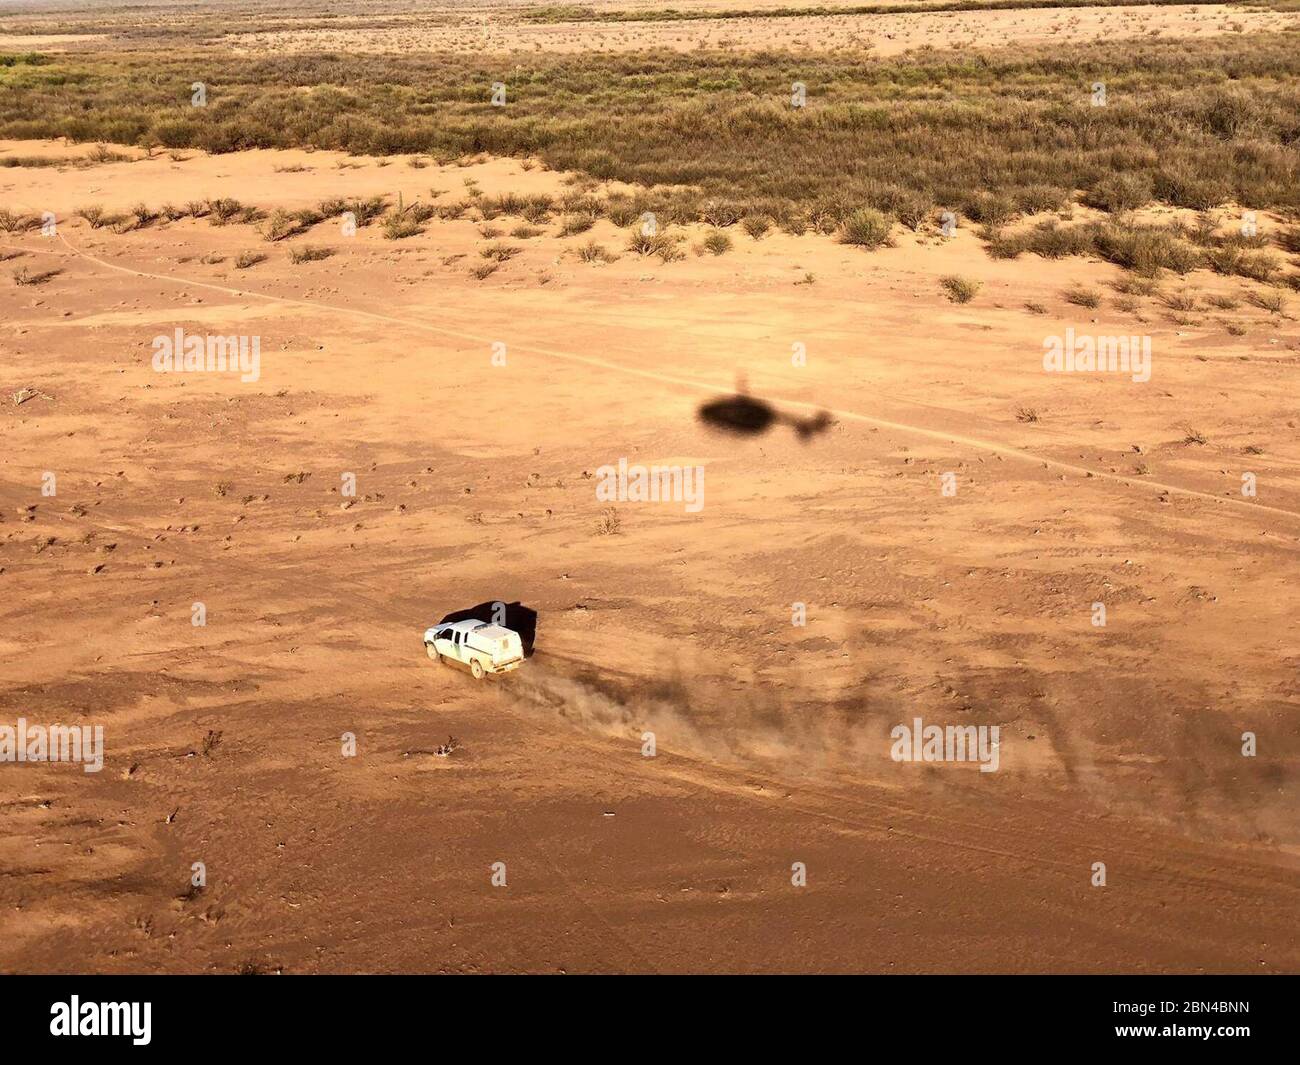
<point x="432" y="652"/>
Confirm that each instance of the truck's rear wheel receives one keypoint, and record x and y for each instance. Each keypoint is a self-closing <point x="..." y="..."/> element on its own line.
<point x="476" y="667"/>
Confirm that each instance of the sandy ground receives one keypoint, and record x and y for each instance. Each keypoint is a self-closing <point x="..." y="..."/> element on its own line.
<point x="883" y="34"/>
<point x="1119" y="745"/>
<point x="498" y="28"/>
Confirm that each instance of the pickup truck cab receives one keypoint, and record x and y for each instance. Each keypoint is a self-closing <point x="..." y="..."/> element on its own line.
<point x="483" y="647"/>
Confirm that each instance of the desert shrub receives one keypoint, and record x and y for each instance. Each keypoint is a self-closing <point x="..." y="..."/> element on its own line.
<point x="716" y="243"/>
<point x="537" y="210"/>
<point x="224" y="210"/>
<point x="280" y="226"/>
<point x="1179" y="188"/>
<point x="364" y="211"/>
<point x="1233" y="260"/>
<point x="574" y="224"/>
<point x="756" y="225"/>
<point x="1049" y="239"/>
<point x="24" y="276"/>
<point x="829" y="213"/>
<point x="1183" y="301"/>
<point x="1146" y="250"/>
<point x="866" y="228"/>
<point x="650" y="243"/>
<point x="622" y="210"/>
<point x="579" y="203"/>
<point x="499" y="252"/>
<point x="1036" y="198"/>
<point x="533" y="209"/>
<point x="591" y="252"/>
<point x="913" y="209"/>
<point x="309" y="253"/>
<point x="960" y="289"/>
<point x="398" y="225"/>
<point x="1121" y="192"/>
<point x="12" y="221"/>
<point x="1136" y="285"/>
<point x="609" y="522"/>
<point x="1273" y="302"/>
<point x="721" y="213"/>
<point x="1082" y="296"/>
<point x="248" y="258"/>
<point x="990" y="209"/>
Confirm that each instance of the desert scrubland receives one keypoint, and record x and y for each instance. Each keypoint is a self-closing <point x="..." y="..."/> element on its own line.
<point x="465" y="310"/>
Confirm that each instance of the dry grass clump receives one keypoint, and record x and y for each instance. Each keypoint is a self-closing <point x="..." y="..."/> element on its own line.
<point x="1049" y="239"/>
<point x="1268" y="300"/>
<point x="990" y="209"/>
<point x="1118" y="193"/>
<point x="866" y="228"/>
<point x="536" y="208"/>
<point x="609" y="522"/>
<point x="1146" y="250"/>
<point x="499" y="252"/>
<point x="664" y="245"/>
<point x="574" y="224"/>
<point x="716" y="243"/>
<point x="12" y="221"/>
<point x="400" y="223"/>
<point x="1233" y="259"/>
<point x="279" y="226"/>
<point x="24" y="276"/>
<point x="591" y="252"/>
<point x="363" y="211"/>
<point x="960" y="289"/>
<point x="226" y="211"/>
<point x="94" y="216"/>
<point x="309" y="253"/>
<point x="1183" y="302"/>
<point x="1082" y="296"/>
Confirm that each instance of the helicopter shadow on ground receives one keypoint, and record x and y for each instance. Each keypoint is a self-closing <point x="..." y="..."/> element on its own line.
<point x="518" y="617"/>
<point x="743" y="415"/>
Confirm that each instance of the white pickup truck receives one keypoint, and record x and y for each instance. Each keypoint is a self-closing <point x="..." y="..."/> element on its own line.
<point x="483" y="647"/>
